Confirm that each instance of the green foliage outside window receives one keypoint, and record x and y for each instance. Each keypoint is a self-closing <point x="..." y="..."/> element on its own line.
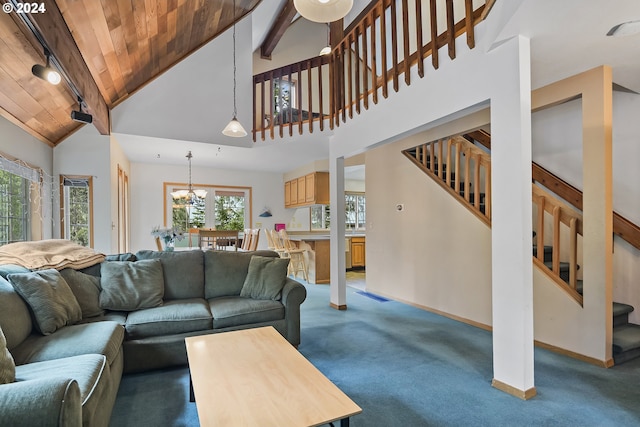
<point x="229" y="212"/>
<point x="14" y="208"/>
<point x="79" y="216"/>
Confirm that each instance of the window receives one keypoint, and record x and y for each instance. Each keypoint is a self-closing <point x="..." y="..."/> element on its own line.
<point x="354" y="209"/>
<point x="20" y="209"/>
<point x="230" y="210"/>
<point x="284" y="94"/>
<point x="320" y="217"/>
<point x="76" y="206"/>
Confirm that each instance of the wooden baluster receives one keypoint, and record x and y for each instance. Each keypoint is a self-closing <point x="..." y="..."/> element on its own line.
<point x="374" y="57"/>
<point x="451" y="32"/>
<point x="394" y="45"/>
<point x="467" y="166"/>
<point x="280" y="113"/>
<point x="356" y="50"/>
<point x="405" y="37"/>
<point x="319" y="98"/>
<point x="365" y="64"/>
<point x="383" y="46"/>
<point x="440" y="162"/>
<point x="456" y="180"/>
<point x="468" y="5"/>
<point x="310" y="97"/>
<point x="424" y="155"/>
<point x="332" y="89"/>
<point x="573" y="253"/>
<point x="476" y="181"/>
<point x="300" y="98"/>
<point x="432" y="159"/>
<point x="262" y="112"/>
<point x="487" y="191"/>
<point x="271" y="106"/>
<point x="255" y="112"/>
<point x="419" y="42"/>
<point x="342" y="84"/>
<point x="540" y="230"/>
<point x="434" y="34"/>
<point x="448" y="172"/>
<point x="291" y="103"/>
<point x="349" y="77"/>
<point x="556" y="240"/>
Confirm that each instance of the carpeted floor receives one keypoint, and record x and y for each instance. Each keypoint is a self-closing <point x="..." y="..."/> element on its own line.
<point x="408" y="367"/>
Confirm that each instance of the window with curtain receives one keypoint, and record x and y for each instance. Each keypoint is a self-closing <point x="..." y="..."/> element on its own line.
<point x="76" y="207"/>
<point x="20" y="186"/>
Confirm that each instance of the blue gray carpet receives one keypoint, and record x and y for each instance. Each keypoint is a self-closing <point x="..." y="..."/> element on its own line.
<point x="407" y="367"/>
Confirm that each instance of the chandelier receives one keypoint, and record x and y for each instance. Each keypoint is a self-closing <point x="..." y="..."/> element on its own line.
<point x="190" y="194"/>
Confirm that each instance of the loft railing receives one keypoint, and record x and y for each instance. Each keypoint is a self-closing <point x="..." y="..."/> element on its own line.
<point x="461" y="168"/>
<point x="380" y="47"/>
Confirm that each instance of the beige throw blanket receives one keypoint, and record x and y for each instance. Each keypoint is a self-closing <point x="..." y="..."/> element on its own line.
<point x="53" y="253"/>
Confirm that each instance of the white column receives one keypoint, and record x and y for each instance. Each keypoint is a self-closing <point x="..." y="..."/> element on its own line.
<point x="511" y="238"/>
<point x="338" y="286"/>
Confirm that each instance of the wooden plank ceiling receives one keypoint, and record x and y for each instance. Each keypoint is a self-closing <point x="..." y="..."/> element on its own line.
<point x="124" y="43"/>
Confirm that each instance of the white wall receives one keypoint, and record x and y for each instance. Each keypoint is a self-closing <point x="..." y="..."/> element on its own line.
<point x="19" y="144"/>
<point x="147" y="196"/>
<point x="117" y="159"/>
<point x="86" y="152"/>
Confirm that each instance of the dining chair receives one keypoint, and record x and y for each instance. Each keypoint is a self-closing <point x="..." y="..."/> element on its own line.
<point x="246" y="239"/>
<point x="297" y="263"/>
<point x="255" y="236"/>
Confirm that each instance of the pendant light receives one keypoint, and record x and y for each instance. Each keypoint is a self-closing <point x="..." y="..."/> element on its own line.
<point x="323" y="10"/>
<point x="190" y="194"/>
<point x="327" y="49"/>
<point x="234" y="128"/>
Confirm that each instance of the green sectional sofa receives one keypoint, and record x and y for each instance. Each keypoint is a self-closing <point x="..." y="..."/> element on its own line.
<point x="131" y="313"/>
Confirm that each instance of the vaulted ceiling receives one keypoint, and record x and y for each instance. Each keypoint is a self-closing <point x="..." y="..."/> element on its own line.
<point x="108" y="49"/>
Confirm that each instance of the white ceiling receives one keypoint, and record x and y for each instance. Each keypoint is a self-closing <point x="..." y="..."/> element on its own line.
<point x="187" y="107"/>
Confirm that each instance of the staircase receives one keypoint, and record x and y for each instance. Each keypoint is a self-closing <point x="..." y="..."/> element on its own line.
<point x="472" y="187"/>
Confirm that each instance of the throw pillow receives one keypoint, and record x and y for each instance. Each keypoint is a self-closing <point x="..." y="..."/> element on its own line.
<point x="129" y="286"/>
<point x="86" y="289"/>
<point x="266" y="278"/>
<point x="51" y="300"/>
<point x="7" y="365"/>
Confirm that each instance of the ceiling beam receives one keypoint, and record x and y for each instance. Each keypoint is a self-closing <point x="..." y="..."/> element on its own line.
<point x="278" y="29"/>
<point x="56" y="35"/>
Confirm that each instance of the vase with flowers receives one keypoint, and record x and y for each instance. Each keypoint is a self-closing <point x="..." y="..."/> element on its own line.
<point x="168" y="235"/>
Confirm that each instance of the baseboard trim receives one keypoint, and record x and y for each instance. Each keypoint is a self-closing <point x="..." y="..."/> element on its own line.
<point x="521" y="394"/>
<point x="340" y="307"/>
<point x="591" y="360"/>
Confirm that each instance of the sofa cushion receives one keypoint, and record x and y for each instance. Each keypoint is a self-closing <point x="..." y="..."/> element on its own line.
<point x="7" y="365"/>
<point x="99" y="337"/>
<point x="86" y="289"/>
<point x="183" y="273"/>
<point x="128" y="286"/>
<point x="234" y="311"/>
<point x="90" y="371"/>
<point x="120" y="317"/>
<point x="6" y="269"/>
<point x="224" y="272"/>
<point x="265" y="278"/>
<point x="52" y="303"/>
<point x="15" y="319"/>
<point x="174" y="317"/>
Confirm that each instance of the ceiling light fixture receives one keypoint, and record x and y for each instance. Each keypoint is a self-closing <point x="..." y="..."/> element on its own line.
<point x="625" y="29"/>
<point x="190" y="194"/>
<point x="234" y="128"/>
<point x="323" y="10"/>
<point x="46" y="72"/>
<point x="327" y="49"/>
<point x="79" y="116"/>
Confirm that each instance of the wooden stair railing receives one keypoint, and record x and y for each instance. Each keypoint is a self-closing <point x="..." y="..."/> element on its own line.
<point x="622" y="227"/>
<point x="379" y="47"/>
<point x="469" y="181"/>
<point x="460" y="168"/>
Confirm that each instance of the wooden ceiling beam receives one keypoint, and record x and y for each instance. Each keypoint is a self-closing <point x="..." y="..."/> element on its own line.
<point x="278" y="29"/>
<point x="56" y="35"/>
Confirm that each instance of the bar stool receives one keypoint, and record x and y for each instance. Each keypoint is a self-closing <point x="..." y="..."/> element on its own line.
<point x="296" y="254"/>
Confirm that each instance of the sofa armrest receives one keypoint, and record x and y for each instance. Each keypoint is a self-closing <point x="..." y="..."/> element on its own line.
<point x="293" y="294"/>
<point x="41" y="402"/>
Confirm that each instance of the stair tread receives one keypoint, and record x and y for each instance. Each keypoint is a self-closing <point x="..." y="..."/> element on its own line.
<point x="621" y="308"/>
<point x="626" y="337"/>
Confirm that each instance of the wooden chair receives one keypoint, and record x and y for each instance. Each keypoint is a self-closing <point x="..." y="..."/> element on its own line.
<point x="270" y="243"/>
<point x="297" y="263"/>
<point x="246" y="239"/>
<point x="158" y="243"/>
<point x="255" y="236"/>
<point x="277" y="244"/>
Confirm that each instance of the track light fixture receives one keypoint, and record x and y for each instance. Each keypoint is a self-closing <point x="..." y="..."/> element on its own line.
<point x="79" y="116"/>
<point x="46" y="72"/>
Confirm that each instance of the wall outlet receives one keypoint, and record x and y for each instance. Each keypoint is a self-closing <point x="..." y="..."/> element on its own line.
<point x="258" y="225"/>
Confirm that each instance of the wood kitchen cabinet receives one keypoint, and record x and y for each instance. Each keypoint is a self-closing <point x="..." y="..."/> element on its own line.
<point x="358" y="255"/>
<point x="311" y="189"/>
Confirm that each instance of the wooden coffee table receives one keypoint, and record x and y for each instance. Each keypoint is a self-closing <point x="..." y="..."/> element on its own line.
<point x="255" y="377"/>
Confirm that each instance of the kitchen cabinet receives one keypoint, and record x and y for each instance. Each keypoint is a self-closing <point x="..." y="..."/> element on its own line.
<point x="311" y="189"/>
<point x="358" y="254"/>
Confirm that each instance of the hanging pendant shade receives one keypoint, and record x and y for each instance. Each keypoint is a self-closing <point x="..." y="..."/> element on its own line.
<point x="234" y="128"/>
<point x="323" y="10"/>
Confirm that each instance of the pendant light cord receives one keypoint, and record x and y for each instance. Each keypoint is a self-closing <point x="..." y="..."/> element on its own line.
<point x="235" y="110"/>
